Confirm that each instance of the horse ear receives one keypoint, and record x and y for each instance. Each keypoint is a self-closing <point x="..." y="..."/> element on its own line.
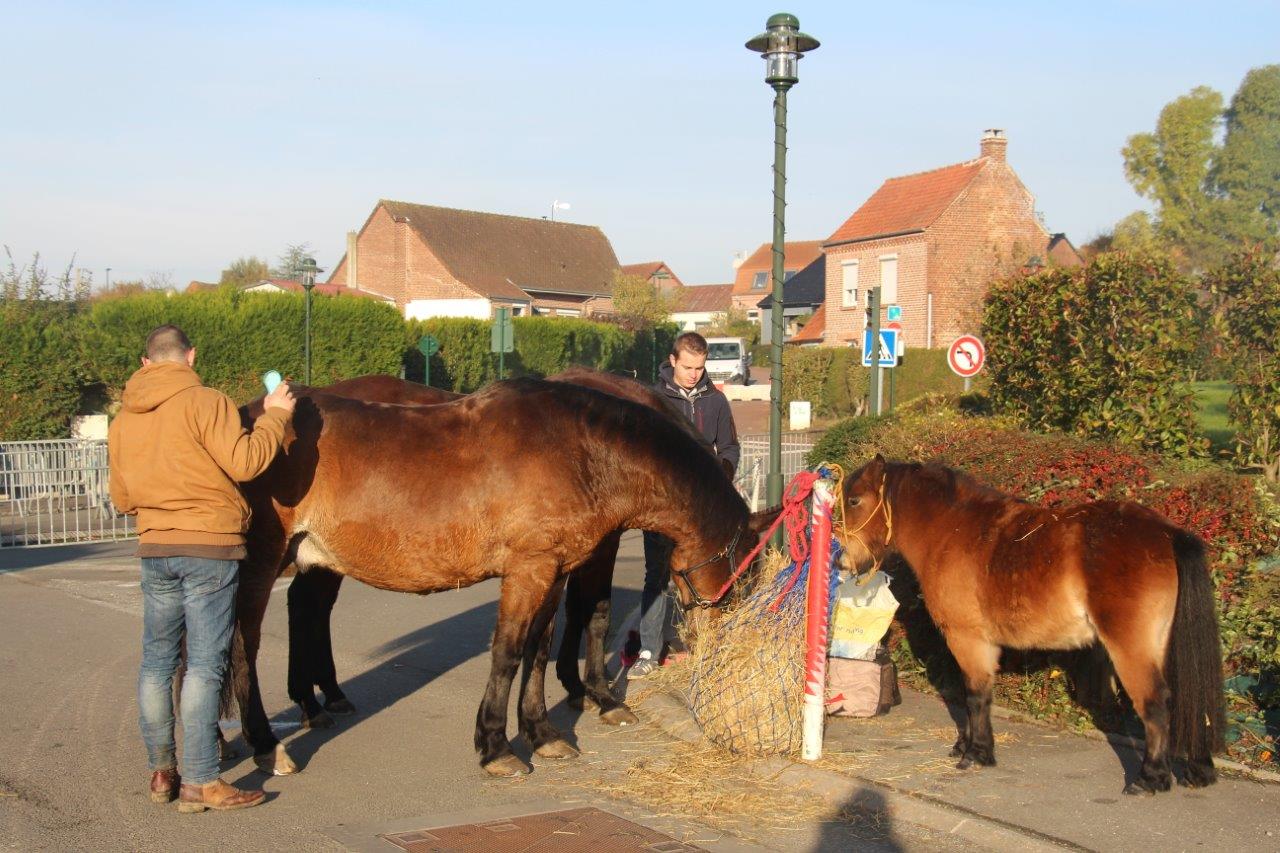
<point x="875" y="467"/>
<point x="761" y="521"/>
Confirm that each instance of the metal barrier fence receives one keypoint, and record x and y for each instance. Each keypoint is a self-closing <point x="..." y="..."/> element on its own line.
<point x="55" y="493"/>
<point x="753" y="464"/>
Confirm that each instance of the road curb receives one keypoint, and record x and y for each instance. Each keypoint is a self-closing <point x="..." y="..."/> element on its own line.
<point x="844" y="790"/>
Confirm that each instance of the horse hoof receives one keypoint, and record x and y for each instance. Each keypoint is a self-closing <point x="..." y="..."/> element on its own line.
<point x="1137" y="788"/>
<point x="342" y="707"/>
<point x="318" y="720"/>
<point x="557" y="749"/>
<point x="276" y="763"/>
<point x="964" y="763"/>
<point x="507" y="767"/>
<point x="619" y="716"/>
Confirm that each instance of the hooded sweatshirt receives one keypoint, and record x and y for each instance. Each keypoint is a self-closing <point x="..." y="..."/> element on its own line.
<point x="176" y="451"/>
<point x="706" y="408"/>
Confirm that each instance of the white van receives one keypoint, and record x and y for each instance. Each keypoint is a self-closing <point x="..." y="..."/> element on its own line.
<point x="729" y="360"/>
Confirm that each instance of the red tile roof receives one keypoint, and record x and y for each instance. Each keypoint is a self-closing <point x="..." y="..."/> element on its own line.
<point x="704" y="297"/>
<point x="649" y="269"/>
<point x="796" y="255"/>
<point x="908" y="203"/>
<point x="814" y="330"/>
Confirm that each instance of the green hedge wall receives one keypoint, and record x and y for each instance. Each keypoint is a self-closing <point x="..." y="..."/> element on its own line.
<point x="835" y="382"/>
<point x="40" y="369"/>
<point x="543" y="346"/>
<point x="239" y="336"/>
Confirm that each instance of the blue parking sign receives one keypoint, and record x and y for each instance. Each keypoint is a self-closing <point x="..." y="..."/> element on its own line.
<point x="888" y="348"/>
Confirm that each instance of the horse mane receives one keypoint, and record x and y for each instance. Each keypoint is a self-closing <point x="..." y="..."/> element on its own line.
<point x="943" y="482"/>
<point x="669" y="442"/>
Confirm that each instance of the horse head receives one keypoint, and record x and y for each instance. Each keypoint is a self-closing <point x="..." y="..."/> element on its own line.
<point x="867" y="528"/>
<point x="706" y="582"/>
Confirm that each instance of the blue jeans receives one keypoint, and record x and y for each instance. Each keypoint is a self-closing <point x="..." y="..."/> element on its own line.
<point x="654" y="601"/>
<point x="196" y="596"/>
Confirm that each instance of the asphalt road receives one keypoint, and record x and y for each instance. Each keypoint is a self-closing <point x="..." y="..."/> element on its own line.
<point x="73" y="772"/>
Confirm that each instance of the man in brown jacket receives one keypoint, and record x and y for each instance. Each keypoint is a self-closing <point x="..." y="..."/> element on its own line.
<point x="176" y="451"/>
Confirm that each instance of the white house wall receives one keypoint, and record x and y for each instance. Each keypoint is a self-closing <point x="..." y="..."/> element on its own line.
<point x="422" y="309"/>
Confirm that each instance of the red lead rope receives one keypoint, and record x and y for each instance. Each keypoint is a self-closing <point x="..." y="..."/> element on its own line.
<point x="796" y="518"/>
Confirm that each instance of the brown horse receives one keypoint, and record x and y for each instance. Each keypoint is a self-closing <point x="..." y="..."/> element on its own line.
<point x="997" y="571"/>
<point x="588" y="591"/>
<point x="356" y="491"/>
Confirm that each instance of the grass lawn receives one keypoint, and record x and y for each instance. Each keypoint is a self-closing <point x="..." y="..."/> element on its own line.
<point x="1212" y="399"/>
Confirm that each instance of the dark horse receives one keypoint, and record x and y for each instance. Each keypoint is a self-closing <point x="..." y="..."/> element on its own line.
<point x="588" y="590"/>
<point x="997" y="571"/>
<point x="538" y="474"/>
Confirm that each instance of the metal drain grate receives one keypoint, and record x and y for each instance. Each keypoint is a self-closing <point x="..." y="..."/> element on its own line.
<point x="588" y="830"/>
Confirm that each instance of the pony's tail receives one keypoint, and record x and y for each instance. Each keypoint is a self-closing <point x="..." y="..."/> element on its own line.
<point x="1193" y="659"/>
<point x="235" y="684"/>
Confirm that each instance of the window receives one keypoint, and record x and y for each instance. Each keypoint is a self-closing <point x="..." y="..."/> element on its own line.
<point x="787" y="275"/>
<point x="757" y="283"/>
<point x="849" y="284"/>
<point x="753" y="315"/>
<point x="889" y="280"/>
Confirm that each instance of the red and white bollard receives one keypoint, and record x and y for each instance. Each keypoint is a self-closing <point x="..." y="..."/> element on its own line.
<point x="817" y="610"/>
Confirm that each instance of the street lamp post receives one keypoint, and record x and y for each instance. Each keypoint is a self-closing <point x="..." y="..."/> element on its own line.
<point x="308" y="269"/>
<point x="782" y="44"/>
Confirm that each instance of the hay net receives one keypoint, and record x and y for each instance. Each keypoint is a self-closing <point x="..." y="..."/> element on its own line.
<point x="747" y="687"/>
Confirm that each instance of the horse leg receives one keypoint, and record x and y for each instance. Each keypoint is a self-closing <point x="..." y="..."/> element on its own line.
<point x="304" y="616"/>
<point x="326" y="674"/>
<point x="523" y="595"/>
<point x="977" y="659"/>
<point x="1141" y="676"/>
<point x="589" y="595"/>
<point x="534" y="725"/>
<point x="257" y="575"/>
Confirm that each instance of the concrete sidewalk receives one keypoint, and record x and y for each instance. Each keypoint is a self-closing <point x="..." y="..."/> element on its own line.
<point x="1050" y="789"/>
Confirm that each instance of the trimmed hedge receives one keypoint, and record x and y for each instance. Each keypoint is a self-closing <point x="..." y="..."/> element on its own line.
<point x="836" y="383"/>
<point x="543" y="346"/>
<point x="41" y="372"/>
<point x="1106" y="350"/>
<point x="238" y="336"/>
<point x="1237" y="515"/>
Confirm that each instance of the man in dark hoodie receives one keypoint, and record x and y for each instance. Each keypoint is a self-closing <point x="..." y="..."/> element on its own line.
<point x="684" y="382"/>
<point x="176" y="452"/>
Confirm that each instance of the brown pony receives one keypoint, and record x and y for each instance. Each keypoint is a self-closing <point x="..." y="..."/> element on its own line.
<point x="356" y="491"/>
<point x="588" y="590"/>
<point x="997" y="571"/>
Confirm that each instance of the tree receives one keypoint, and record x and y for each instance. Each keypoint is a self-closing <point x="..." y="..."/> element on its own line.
<point x="289" y="265"/>
<point x="733" y="323"/>
<point x="639" y="301"/>
<point x="244" y="271"/>
<point x="33" y="282"/>
<point x="1209" y="199"/>
<point x="1247" y="172"/>
<point x="1171" y="167"/>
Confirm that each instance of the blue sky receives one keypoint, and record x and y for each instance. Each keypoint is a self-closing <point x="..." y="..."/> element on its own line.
<point x="174" y="137"/>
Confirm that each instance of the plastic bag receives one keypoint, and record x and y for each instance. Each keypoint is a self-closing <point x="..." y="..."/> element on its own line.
<point x="862" y="615"/>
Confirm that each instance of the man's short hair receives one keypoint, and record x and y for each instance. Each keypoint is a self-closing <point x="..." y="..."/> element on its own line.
<point x="167" y="343"/>
<point x="690" y="342"/>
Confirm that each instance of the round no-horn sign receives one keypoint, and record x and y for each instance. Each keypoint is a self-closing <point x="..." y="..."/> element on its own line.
<point x="966" y="356"/>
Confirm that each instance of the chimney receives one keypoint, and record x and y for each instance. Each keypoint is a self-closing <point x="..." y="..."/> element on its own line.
<point x="353" y="274"/>
<point x="994" y="143"/>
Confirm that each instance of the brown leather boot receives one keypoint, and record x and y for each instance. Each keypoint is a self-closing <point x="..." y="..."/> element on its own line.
<point x="164" y="785"/>
<point x="217" y="795"/>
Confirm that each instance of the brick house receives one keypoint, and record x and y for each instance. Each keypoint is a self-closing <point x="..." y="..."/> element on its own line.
<point x="442" y="262"/>
<point x="697" y="306"/>
<point x="934" y="241"/>
<point x="656" y="273"/>
<point x="802" y="295"/>
<point x="754" y="278"/>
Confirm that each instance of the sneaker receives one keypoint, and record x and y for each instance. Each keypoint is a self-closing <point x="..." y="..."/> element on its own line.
<point x="643" y="667"/>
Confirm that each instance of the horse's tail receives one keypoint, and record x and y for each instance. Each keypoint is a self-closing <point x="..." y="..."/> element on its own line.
<point x="236" y="682"/>
<point x="1193" y="659"/>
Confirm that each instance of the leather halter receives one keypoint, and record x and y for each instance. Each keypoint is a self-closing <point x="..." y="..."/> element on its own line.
<point x="729" y="551"/>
